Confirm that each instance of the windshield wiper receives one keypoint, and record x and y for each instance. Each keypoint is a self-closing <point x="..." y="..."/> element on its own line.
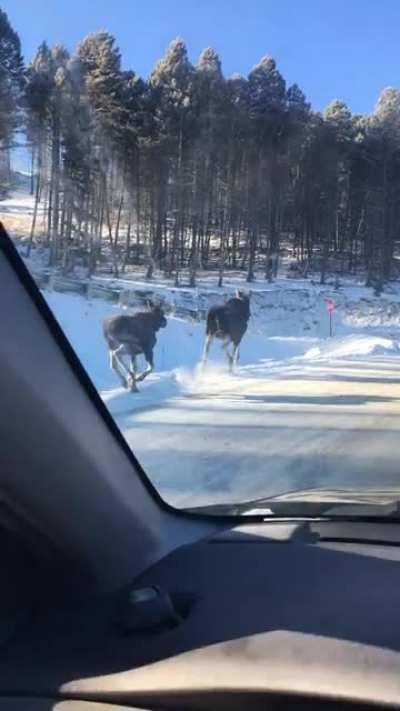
<point x="313" y="503"/>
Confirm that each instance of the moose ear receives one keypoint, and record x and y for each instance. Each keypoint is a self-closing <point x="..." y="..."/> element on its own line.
<point x="238" y="293"/>
<point x="149" y="303"/>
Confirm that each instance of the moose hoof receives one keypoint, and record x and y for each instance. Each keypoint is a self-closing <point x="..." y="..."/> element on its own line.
<point x="142" y="376"/>
<point x="131" y="384"/>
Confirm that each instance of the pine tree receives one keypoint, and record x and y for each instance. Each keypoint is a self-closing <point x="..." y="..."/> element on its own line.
<point x="100" y="66"/>
<point x="209" y="139"/>
<point x="337" y="135"/>
<point x="38" y="98"/>
<point x="384" y="186"/>
<point x="11" y="86"/>
<point x="267" y="93"/>
<point x="171" y="83"/>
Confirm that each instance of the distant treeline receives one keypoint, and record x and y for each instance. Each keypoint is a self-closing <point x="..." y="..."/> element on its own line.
<point x="192" y="170"/>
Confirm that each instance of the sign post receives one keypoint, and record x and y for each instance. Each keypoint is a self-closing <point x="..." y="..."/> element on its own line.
<point x="330" y="307"/>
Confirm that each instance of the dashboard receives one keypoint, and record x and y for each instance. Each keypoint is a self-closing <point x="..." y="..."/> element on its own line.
<point x="302" y="615"/>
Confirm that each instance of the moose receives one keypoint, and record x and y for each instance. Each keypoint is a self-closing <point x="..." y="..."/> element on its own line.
<point x="131" y="336"/>
<point x="229" y="324"/>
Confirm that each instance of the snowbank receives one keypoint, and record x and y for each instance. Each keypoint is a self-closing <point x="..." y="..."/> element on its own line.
<point x="352" y="347"/>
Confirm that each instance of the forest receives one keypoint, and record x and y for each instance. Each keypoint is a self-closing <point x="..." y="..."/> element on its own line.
<point x="189" y="170"/>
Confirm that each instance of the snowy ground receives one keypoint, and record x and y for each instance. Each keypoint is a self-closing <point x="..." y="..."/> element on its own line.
<point x="300" y="411"/>
<point x="16" y="211"/>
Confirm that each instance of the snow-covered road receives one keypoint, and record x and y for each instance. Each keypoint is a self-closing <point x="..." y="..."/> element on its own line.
<point x="332" y="423"/>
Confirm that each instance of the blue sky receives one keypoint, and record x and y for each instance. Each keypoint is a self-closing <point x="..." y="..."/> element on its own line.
<point x="348" y="49"/>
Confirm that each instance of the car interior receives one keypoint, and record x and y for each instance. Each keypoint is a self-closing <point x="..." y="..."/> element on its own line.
<point x="111" y="599"/>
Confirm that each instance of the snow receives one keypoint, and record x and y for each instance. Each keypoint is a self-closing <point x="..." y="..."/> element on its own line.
<point x="300" y="411"/>
<point x="352" y="346"/>
<point x="16" y="211"/>
<point x="18" y="202"/>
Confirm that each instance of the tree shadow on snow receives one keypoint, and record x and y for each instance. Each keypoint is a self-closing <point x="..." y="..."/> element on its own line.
<point x="319" y="399"/>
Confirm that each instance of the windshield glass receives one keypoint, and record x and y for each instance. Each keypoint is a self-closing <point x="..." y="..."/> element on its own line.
<point x="221" y="250"/>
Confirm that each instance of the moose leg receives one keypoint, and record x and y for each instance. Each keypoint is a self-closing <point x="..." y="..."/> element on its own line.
<point x="132" y="377"/>
<point x="115" y="366"/>
<point x="148" y="354"/>
<point x="236" y="353"/>
<point x="229" y="355"/>
<point x="207" y="346"/>
<point x="118" y="367"/>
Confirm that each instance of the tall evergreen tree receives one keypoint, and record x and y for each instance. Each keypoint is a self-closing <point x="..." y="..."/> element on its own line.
<point x="267" y="93"/>
<point x="11" y="85"/>
<point x="172" y="85"/>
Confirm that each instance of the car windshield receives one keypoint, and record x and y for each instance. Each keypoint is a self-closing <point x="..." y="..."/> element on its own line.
<point x="218" y="237"/>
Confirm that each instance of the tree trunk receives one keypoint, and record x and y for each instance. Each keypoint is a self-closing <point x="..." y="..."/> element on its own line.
<point x="34" y="216"/>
